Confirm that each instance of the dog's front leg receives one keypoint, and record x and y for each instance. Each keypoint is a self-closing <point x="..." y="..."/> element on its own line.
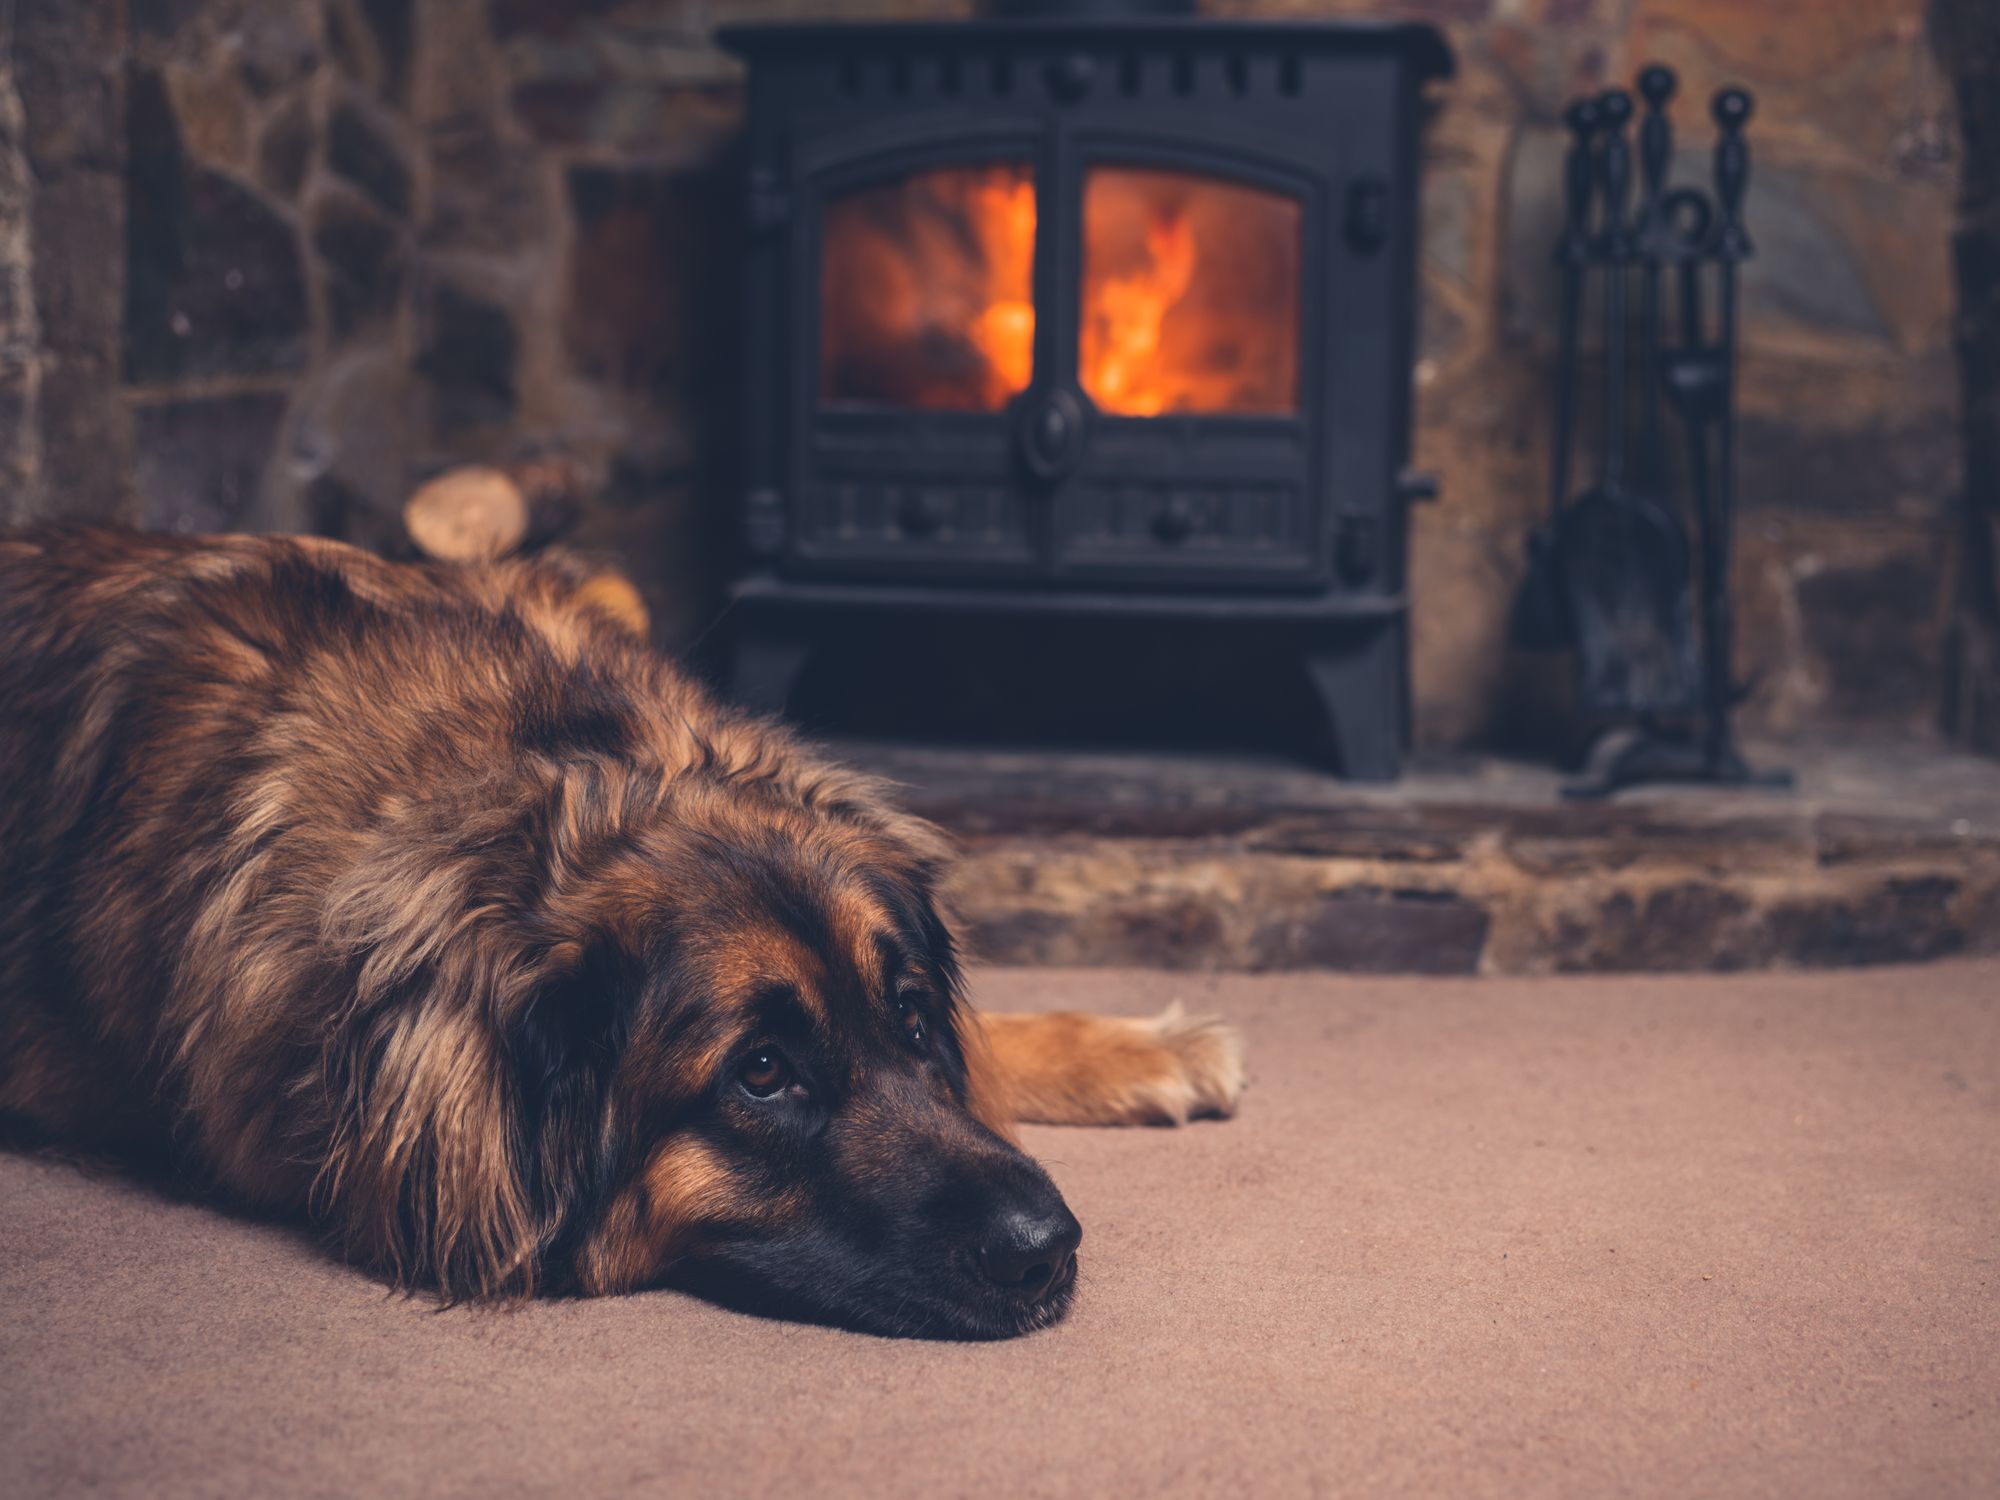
<point x="1067" y="1069"/>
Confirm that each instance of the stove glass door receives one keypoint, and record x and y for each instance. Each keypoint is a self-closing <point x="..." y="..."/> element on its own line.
<point x="1190" y="300"/>
<point x="926" y="290"/>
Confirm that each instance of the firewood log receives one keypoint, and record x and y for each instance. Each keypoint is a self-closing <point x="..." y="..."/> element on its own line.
<point x="473" y="514"/>
<point x="478" y="513"/>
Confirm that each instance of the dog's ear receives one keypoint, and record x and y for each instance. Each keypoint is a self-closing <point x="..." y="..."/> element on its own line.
<point x="469" y="1073"/>
<point x="562" y="1046"/>
<point x="563" y="1035"/>
<point x="471" y="1100"/>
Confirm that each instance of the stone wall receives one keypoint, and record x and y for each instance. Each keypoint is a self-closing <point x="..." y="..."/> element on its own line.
<point x="20" y="325"/>
<point x="64" y="433"/>
<point x="365" y="239"/>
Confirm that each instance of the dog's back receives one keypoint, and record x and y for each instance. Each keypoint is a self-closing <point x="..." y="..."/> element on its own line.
<point x="200" y="735"/>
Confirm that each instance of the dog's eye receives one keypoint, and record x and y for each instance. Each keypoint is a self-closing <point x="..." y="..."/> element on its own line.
<point x="912" y="1020"/>
<point x="764" y="1072"/>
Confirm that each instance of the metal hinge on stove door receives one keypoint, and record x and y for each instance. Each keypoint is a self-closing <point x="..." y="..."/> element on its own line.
<point x="769" y="205"/>
<point x="1365" y="220"/>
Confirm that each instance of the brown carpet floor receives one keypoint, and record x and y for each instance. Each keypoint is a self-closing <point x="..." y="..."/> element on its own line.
<point x="1572" y="1237"/>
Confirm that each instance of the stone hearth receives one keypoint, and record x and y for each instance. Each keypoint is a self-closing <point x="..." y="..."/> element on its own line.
<point x="1882" y="854"/>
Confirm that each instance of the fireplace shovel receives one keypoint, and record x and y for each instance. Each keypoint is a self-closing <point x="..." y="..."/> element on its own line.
<point x="1622" y="556"/>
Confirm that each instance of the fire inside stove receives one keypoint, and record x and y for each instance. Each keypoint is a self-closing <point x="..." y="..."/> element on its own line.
<point x="1189" y="301"/>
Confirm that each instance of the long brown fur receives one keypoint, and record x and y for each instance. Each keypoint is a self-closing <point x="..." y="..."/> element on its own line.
<point x="299" y="844"/>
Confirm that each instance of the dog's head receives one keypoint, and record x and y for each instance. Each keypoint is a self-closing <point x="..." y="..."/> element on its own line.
<point x="721" y="1047"/>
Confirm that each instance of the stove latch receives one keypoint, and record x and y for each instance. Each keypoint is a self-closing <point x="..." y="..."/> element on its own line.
<point x="1051" y="433"/>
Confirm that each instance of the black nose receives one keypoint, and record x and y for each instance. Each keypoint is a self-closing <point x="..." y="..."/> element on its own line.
<point x="1029" y="1252"/>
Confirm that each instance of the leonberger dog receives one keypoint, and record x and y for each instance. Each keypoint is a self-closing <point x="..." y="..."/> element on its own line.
<point x="431" y="905"/>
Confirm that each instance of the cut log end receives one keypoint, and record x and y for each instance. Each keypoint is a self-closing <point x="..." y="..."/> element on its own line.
<point x="468" y="515"/>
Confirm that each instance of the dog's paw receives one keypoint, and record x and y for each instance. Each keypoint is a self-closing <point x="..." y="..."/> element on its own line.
<point x="1062" y="1068"/>
<point x="1200" y="1068"/>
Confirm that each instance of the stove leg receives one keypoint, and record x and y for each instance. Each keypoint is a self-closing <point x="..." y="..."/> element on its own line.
<point x="768" y="660"/>
<point x="1357" y="674"/>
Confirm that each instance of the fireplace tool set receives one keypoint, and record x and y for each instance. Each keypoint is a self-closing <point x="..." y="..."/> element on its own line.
<point x="1612" y="574"/>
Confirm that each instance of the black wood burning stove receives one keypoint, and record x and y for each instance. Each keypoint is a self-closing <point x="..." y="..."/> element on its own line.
<point x="1083" y="316"/>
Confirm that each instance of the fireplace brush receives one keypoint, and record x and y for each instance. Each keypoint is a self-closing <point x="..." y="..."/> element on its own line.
<point x="1609" y="574"/>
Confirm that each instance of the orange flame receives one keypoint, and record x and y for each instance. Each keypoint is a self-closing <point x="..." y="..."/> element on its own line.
<point x="1120" y="356"/>
<point x="1004" y="221"/>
